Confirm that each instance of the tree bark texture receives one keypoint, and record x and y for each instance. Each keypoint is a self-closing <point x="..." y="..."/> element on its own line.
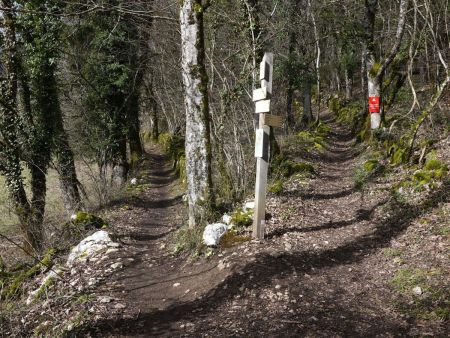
<point x="10" y="149"/>
<point x="198" y="144"/>
<point x="375" y="70"/>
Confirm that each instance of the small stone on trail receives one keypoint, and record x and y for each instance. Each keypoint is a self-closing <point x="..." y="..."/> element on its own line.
<point x="417" y="290"/>
<point x="249" y="206"/>
<point x="176" y="285"/>
<point x="117" y="265"/>
<point x="226" y="219"/>
<point x="277" y="286"/>
<point x="105" y="299"/>
<point x="221" y="265"/>
<point x="119" y="306"/>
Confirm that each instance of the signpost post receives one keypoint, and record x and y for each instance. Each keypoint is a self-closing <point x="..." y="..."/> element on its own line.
<point x="261" y="97"/>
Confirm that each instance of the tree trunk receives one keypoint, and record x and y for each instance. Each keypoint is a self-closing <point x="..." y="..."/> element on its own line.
<point x="307" y="111"/>
<point x="134" y="128"/>
<point x="374" y="90"/>
<point x="198" y="144"/>
<point x="154" y="117"/>
<point x="68" y="181"/>
<point x="375" y="71"/>
<point x="291" y="81"/>
<point x="10" y="149"/>
<point x="120" y="164"/>
<point x="348" y="84"/>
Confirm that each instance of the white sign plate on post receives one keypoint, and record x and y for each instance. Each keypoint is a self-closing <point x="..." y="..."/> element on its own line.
<point x="262" y="143"/>
<point x="266" y="72"/>
<point x="259" y="142"/>
<point x="262" y="107"/>
<point x="260" y="94"/>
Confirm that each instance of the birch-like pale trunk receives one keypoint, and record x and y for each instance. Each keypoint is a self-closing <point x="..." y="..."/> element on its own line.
<point x="198" y="144"/>
<point x="375" y="70"/>
<point x="318" y="55"/>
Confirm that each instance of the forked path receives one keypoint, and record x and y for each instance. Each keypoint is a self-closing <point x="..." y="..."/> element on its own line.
<point x="320" y="272"/>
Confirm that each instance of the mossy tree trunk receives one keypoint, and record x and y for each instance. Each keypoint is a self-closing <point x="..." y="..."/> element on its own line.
<point x="198" y="144"/>
<point x="10" y="148"/>
<point x="68" y="180"/>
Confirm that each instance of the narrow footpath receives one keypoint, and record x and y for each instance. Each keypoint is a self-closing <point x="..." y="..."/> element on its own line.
<point x="321" y="271"/>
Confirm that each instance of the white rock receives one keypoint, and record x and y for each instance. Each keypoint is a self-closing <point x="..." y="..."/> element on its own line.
<point x="120" y="306"/>
<point x="73" y="217"/>
<point x="117" y="265"/>
<point x="249" y="206"/>
<point x="417" y="290"/>
<point x="213" y="233"/>
<point x="226" y="219"/>
<point x="176" y="285"/>
<point x="98" y="241"/>
<point x="105" y="299"/>
<point x="133" y="181"/>
<point x="45" y="282"/>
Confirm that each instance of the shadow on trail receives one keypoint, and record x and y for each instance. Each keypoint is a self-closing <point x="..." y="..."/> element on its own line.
<point x="362" y="215"/>
<point x="328" y="314"/>
<point x="321" y="196"/>
<point x="145" y="237"/>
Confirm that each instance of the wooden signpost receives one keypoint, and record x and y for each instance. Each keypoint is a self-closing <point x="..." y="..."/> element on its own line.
<point x="261" y="97"/>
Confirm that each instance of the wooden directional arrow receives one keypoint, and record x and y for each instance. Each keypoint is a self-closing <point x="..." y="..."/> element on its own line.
<point x="273" y="120"/>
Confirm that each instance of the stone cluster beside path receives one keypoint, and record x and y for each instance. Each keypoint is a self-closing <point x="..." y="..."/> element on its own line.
<point x="214" y="232"/>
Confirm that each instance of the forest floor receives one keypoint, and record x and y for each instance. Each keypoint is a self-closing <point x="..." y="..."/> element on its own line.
<point x="337" y="261"/>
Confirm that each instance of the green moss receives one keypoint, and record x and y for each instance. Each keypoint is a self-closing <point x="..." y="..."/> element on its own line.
<point x="392" y="253"/>
<point x="370" y="169"/>
<point x="45" y="287"/>
<point x="231" y="238"/>
<point x="86" y="221"/>
<point x="406" y="279"/>
<point x="14" y="285"/>
<point x="276" y="187"/>
<point x="241" y="218"/>
<point x="283" y="167"/>
<point x="375" y="69"/>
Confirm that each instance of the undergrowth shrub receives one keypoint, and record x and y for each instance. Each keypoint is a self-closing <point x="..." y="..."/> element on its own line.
<point x="242" y="218"/>
<point x="11" y="282"/>
<point x="173" y="146"/>
<point x="370" y="169"/>
<point x="433" y="172"/>
<point x="189" y="239"/>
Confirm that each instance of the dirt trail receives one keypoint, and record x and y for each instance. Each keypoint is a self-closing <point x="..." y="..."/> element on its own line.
<point x="320" y="272"/>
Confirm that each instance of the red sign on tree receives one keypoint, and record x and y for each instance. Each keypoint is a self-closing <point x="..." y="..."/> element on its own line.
<point x="374" y="104"/>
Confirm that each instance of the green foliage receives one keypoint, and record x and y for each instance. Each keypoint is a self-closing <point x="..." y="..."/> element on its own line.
<point x="433" y="172"/>
<point x="173" y="146"/>
<point x="276" y="187"/>
<point x="406" y="279"/>
<point x="88" y="221"/>
<point x="231" y="238"/>
<point x="370" y="169"/>
<point x="189" y="240"/>
<point x="283" y="167"/>
<point x="241" y="218"/>
<point x="375" y="69"/>
<point x="13" y="285"/>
